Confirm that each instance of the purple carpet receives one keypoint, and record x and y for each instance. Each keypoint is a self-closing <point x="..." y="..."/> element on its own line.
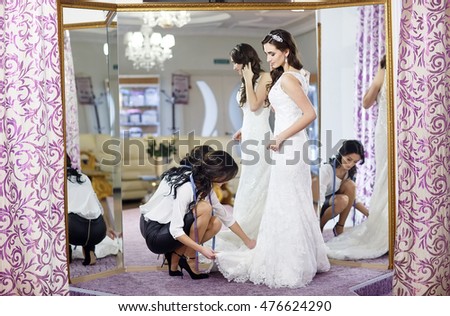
<point x="339" y="281"/>
<point x="134" y="246"/>
<point x="77" y="269"/>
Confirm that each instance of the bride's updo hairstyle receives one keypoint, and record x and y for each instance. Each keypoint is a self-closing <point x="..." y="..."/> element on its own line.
<point x="283" y="41"/>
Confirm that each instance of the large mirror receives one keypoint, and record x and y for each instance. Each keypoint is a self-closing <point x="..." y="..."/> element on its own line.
<point x="90" y="98"/>
<point x="192" y="94"/>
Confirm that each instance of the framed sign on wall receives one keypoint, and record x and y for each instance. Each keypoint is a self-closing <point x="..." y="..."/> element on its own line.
<point x="85" y="93"/>
<point x="180" y="88"/>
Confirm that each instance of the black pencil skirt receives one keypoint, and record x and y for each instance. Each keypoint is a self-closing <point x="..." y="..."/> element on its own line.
<point x="158" y="237"/>
<point x="86" y="232"/>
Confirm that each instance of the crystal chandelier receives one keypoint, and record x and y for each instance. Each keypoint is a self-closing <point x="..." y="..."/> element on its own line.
<point x="148" y="49"/>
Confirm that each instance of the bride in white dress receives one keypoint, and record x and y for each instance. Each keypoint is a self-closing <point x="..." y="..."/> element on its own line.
<point x="369" y="240"/>
<point x="254" y="178"/>
<point x="290" y="249"/>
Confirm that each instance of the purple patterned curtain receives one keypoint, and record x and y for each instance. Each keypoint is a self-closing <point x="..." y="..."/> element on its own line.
<point x="371" y="47"/>
<point x="72" y="128"/>
<point x="32" y="225"/>
<point x="422" y="247"/>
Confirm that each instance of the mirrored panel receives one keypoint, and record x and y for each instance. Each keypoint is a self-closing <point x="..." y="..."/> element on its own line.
<point x="94" y="198"/>
<point x="354" y="139"/>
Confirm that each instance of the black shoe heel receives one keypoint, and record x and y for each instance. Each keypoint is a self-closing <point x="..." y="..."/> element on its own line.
<point x="335" y="227"/>
<point x="89" y="259"/>
<point x="168" y="257"/>
<point x="194" y="276"/>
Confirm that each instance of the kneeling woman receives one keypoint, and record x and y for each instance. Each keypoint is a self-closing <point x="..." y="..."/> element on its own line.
<point x="337" y="186"/>
<point x="184" y="212"/>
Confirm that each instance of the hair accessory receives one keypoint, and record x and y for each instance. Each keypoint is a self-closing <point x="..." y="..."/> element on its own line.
<point x="276" y="37"/>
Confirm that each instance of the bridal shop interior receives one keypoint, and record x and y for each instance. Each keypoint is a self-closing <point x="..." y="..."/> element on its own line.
<point x="129" y="79"/>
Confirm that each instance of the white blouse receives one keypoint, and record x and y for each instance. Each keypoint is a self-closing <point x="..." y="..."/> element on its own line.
<point x="163" y="208"/>
<point x="82" y="198"/>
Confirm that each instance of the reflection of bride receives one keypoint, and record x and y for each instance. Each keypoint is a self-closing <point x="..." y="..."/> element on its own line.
<point x="370" y="239"/>
<point x="254" y="178"/>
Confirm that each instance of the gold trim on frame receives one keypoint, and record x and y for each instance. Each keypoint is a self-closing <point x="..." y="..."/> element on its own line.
<point x="87" y="25"/>
<point x="392" y="139"/>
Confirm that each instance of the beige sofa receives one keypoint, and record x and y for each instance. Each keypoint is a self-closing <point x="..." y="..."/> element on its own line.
<point x="130" y="159"/>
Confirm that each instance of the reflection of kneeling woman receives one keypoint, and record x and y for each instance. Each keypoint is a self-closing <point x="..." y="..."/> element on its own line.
<point x="87" y="226"/>
<point x="336" y="184"/>
<point x="167" y="221"/>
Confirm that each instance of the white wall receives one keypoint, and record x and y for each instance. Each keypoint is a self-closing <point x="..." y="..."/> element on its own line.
<point x="339" y="30"/>
<point x="307" y="46"/>
<point x="89" y="61"/>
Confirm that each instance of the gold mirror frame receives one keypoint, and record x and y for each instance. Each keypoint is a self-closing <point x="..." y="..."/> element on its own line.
<point x="305" y="5"/>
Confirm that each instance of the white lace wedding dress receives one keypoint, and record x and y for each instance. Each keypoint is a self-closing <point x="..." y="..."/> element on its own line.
<point x="290" y="249"/>
<point x="369" y="239"/>
<point x="251" y="193"/>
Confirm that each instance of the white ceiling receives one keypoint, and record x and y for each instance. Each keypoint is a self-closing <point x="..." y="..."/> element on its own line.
<point x="250" y="23"/>
<point x="218" y="23"/>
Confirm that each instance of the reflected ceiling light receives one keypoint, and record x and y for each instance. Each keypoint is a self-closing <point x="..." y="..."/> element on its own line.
<point x="148" y="49"/>
<point x="166" y="19"/>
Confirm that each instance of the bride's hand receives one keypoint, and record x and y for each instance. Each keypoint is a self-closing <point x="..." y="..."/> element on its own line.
<point x="275" y="146"/>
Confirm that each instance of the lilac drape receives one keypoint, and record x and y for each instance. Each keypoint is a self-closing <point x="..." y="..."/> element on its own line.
<point x="371" y="39"/>
<point x="32" y="226"/>
<point x="71" y="105"/>
<point x="422" y="247"/>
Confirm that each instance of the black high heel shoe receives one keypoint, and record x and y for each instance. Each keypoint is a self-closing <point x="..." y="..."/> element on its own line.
<point x="334" y="229"/>
<point x="194" y="276"/>
<point x="168" y="257"/>
<point x="89" y="258"/>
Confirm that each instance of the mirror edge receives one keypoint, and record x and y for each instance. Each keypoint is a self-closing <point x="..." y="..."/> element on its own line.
<point x="392" y="139"/>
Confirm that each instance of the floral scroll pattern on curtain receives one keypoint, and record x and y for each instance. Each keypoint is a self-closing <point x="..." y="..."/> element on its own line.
<point x="371" y="47"/>
<point x="71" y="103"/>
<point x="32" y="226"/>
<point x="422" y="246"/>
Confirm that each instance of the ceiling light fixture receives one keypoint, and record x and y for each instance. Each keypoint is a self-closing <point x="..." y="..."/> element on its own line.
<point x="148" y="49"/>
<point x="166" y="19"/>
